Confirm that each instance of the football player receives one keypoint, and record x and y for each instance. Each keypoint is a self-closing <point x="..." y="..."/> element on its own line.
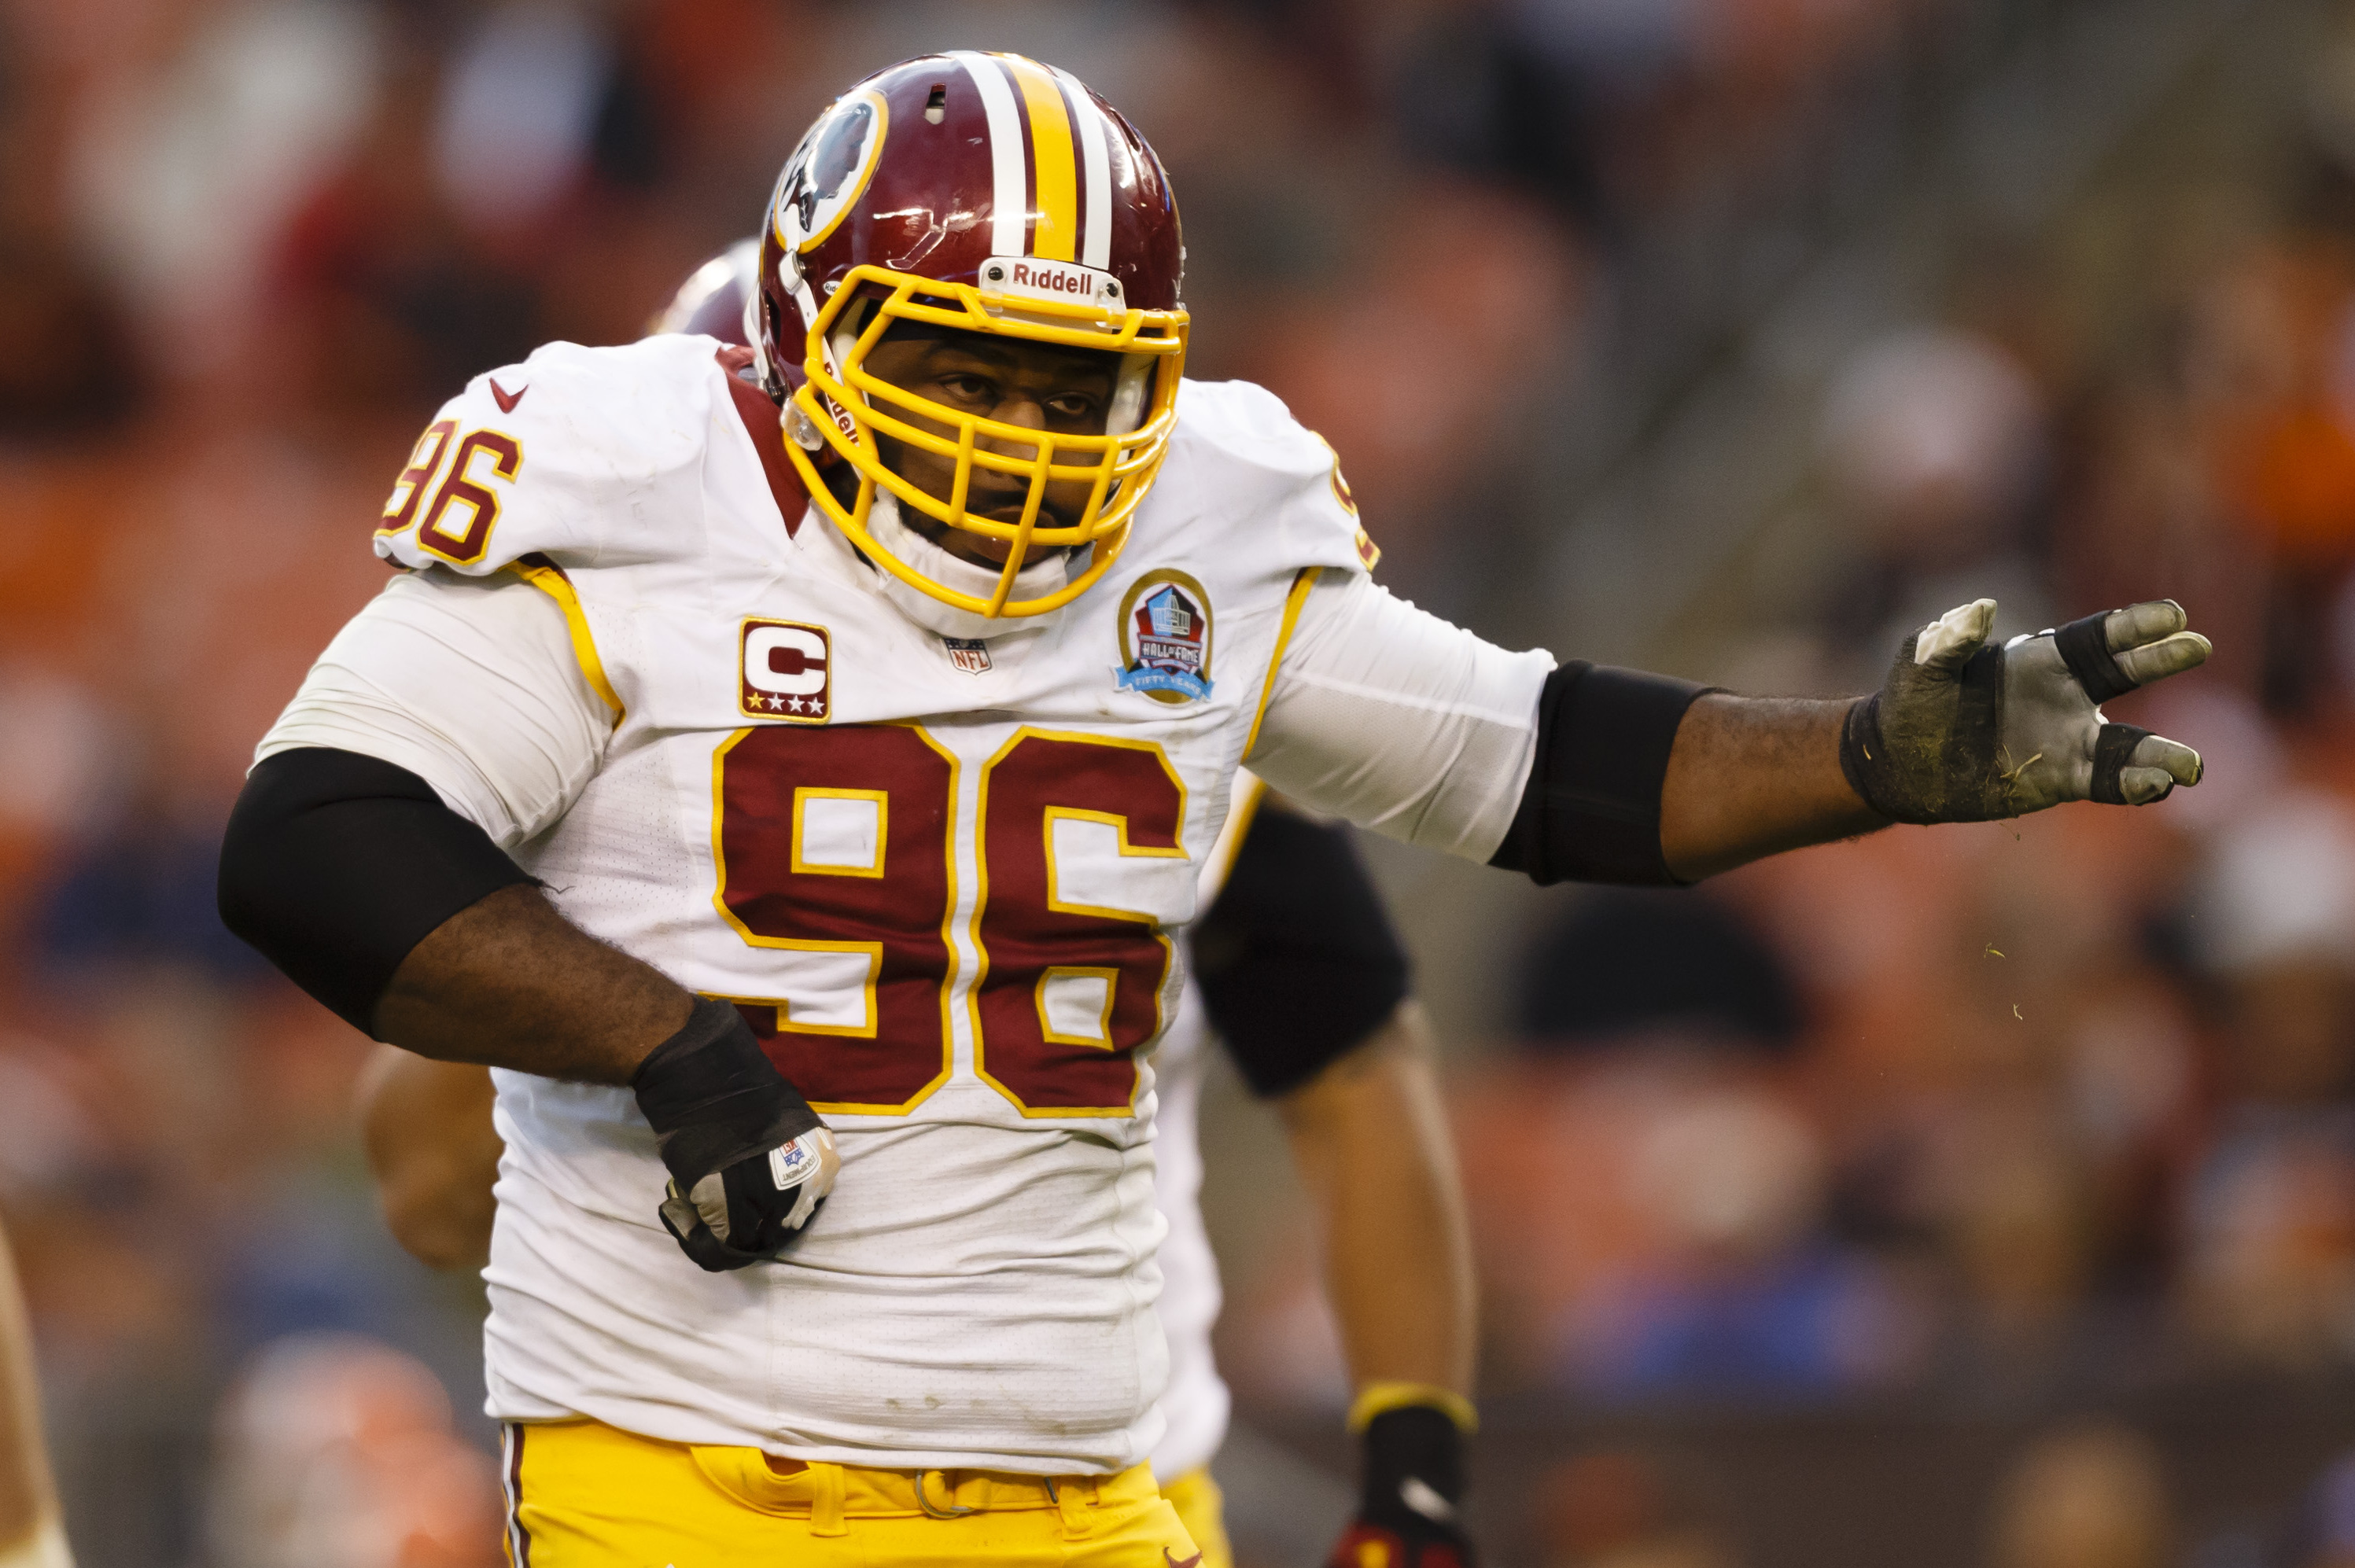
<point x="1300" y="972"/>
<point x="1305" y="980"/>
<point x="32" y="1532"/>
<point x="798" y="777"/>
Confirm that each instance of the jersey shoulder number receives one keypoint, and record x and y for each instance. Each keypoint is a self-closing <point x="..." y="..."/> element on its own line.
<point x="582" y="455"/>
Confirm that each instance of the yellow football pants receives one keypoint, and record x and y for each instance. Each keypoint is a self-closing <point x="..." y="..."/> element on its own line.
<point x="584" y="1495"/>
<point x="1203" y="1511"/>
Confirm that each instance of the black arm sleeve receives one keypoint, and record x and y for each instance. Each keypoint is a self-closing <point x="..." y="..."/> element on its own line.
<point x="1591" y="811"/>
<point x="1296" y="961"/>
<point x="336" y="864"/>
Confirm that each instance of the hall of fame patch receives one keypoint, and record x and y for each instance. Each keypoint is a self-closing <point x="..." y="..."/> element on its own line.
<point x="1165" y="637"/>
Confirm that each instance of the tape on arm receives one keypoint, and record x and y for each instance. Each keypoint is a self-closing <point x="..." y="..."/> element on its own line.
<point x="1591" y="810"/>
<point x="450" y="721"/>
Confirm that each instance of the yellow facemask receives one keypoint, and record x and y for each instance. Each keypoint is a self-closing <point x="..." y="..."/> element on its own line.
<point x="846" y="406"/>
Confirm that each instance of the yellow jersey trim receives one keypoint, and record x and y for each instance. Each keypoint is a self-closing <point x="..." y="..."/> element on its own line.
<point x="551" y="580"/>
<point x="1293" y="602"/>
<point x="1251" y="794"/>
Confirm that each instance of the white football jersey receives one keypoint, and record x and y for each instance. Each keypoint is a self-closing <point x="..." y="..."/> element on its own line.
<point x="1196" y="1403"/>
<point x="940" y="879"/>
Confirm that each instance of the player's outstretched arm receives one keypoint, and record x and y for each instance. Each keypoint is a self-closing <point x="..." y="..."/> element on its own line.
<point x="1960" y="731"/>
<point x="31" y="1535"/>
<point x="1749" y="776"/>
<point x="1371" y="1140"/>
<point x="435" y="1152"/>
<point x="1397" y="721"/>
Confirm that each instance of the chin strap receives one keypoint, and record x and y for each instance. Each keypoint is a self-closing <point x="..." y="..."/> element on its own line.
<point x="892" y="532"/>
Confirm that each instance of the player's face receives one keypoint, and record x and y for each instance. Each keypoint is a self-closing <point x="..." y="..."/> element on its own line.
<point x="1039" y="387"/>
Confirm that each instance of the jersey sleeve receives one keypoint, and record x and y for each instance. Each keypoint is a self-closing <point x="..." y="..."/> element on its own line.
<point x="1392" y="718"/>
<point x="1271" y="479"/>
<point x="473" y="685"/>
<point x="586" y="457"/>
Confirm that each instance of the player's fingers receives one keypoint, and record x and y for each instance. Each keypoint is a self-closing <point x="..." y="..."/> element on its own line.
<point x="2146" y="622"/>
<point x="2144" y="786"/>
<point x="2168" y="656"/>
<point x="1948" y="642"/>
<point x="2156" y="754"/>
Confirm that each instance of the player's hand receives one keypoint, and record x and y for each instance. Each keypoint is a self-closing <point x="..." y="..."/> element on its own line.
<point x="1962" y="732"/>
<point x="749" y="1162"/>
<point x="1407" y="1517"/>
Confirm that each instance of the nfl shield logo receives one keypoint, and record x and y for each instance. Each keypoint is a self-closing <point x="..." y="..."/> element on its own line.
<point x="969" y="654"/>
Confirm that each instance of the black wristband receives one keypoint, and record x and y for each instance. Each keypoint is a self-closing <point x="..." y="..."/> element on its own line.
<point x="713" y="1096"/>
<point x="1591" y="810"/>
<point x="1860" y="751"/>
<point x="1420" y="1442"/>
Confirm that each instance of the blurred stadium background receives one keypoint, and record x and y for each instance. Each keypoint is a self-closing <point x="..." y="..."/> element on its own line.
<point x="1975" y="1200"/>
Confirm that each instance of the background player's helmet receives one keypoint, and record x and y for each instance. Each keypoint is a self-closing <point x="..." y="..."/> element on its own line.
<point x="991" y="193"/>
<point x="717" y="298"/>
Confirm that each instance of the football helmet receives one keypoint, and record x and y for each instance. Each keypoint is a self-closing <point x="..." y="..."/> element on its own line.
<point x="984" y="193"/>
<point x="717" y="298"/>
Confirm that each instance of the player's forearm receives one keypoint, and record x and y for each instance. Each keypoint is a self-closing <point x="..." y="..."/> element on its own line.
<point x="509" y="982"/>
<point x="435" y="1152"/>
<point x="1373" y="1147"/>
<point x="28" y="1496"/>
<point x="1750" y="777"/>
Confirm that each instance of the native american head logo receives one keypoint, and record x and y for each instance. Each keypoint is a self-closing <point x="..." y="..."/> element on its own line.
<point x="829" y="170"/>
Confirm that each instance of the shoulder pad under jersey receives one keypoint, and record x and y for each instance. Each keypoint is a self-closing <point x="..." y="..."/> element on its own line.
<point x="588" y="456"/>
<point x="1248" y="466"/>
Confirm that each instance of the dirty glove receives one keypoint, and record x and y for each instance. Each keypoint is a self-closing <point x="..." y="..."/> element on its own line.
<point x="749" y="1162"/>
<point x="1408" y="1515"/>
<point x="1961" y="733"/>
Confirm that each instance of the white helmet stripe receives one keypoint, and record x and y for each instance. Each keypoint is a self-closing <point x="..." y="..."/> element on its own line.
<point x="1095" y="166"/>
<point x="1011" y="197"/>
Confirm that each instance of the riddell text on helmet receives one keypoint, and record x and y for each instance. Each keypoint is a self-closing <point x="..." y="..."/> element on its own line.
<point x="1051" y="278"/>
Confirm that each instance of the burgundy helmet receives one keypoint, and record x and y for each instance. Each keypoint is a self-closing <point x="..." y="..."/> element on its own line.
<point x="984" y="193"/>
<point x="716" y="299"/>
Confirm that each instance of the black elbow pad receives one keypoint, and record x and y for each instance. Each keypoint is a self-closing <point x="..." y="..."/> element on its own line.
<point x="335" y="864"/>
<point x="1591" y="811"/>
<point x="1297" y="961"/>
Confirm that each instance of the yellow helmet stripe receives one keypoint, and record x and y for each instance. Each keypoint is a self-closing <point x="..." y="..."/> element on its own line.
<point x="1056" y="235"/>
<point x="1095" y="165"/>
<point x="1007" y="176"/>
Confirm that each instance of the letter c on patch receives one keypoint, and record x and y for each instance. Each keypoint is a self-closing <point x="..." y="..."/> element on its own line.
<point x="787" y="659"/>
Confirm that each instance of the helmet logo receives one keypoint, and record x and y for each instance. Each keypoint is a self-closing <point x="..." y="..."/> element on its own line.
<point x="829" y="170"/>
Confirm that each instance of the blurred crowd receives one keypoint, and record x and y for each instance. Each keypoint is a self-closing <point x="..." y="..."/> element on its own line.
<point x="2015" y="1118"/>
<point x="2019" y="1117"/>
